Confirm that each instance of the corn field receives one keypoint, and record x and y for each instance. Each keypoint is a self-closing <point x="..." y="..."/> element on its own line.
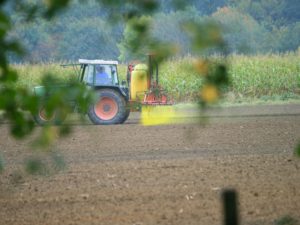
<point x="266" y="77"/>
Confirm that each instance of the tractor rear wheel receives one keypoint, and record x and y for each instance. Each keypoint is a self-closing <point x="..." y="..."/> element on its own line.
<point x="110" y="108"/>
<point x="126" y="115"/>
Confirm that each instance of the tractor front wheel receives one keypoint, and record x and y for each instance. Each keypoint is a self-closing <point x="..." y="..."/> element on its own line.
<point x="110" y="108"/>
<point x="45" y="118"/>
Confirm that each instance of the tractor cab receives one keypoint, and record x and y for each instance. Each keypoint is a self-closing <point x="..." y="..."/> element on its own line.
<point x="110" y="105"/>
<point x="99" y="73"/>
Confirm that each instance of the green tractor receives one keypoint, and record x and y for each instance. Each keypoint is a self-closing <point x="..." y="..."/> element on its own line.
<point x="113" y="101"/>
<point x="101" y="76"/>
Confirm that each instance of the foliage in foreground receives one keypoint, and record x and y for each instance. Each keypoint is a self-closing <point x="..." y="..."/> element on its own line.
<point x="16" y="101"/>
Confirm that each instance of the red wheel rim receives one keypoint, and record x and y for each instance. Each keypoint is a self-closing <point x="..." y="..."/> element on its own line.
<point x="106" y="108"/>
<point x="44" y="116"/>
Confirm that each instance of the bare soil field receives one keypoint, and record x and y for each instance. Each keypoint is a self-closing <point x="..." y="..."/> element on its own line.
<point x="171" y="174"/>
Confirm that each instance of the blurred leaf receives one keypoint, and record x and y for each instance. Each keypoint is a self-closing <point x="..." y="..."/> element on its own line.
<point x="138" y="42"/>
<point x="47" y="137"/>
<point x="204" y="35"/>
<point x="64" y="130"/>
<point x="54" y="6"/>
<point x="59" y="162"/>
<point x="286" y="220"/>
<point x="297" y="150"/>
<point x="29" y="103"/>
<point x="9" y="76"/>
<point x="56" y="100"/>
<point x="3" y="62"/>
<point x="32" y="11"/>
<point x="7" y="96"/>
<point x="221" y="76"/>
<point x="209" y="93"/>
<point x="218" y="74"/>
<point x="202" y="67"/>
<point x="162" y="51"/>
<point x="1" y="164"/>
<point x="180" y="4"/>
<point x="114" y="3"/>
<point x="35" y="166"/>
<point x="15" y="47"/>
<point x="21" y="126"/>
<point x="148" y="5"/>
<point x="4" y="24"/>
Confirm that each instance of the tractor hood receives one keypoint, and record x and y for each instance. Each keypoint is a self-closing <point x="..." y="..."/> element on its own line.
<point x="41" y="90"/>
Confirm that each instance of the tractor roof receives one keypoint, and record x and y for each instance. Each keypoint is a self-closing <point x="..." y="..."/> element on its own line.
<point x="97" y="61"/>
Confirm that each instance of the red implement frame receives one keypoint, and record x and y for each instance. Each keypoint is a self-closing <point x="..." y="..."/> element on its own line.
<point x="156" y="95"/>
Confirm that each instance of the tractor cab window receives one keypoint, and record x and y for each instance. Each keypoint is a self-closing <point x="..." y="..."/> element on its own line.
<point x="106" y="75"/>
<point x="114" y="74"/>
<point x="88" y="77"/>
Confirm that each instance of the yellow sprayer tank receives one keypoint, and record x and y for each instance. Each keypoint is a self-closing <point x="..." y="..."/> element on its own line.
<point x="140" y="81"/>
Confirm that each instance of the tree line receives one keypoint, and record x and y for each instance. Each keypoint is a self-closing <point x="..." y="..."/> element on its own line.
<point x="83" y="31"/>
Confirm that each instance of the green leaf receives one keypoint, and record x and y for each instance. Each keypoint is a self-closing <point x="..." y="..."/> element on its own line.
<point x="15" y="47"/>
<point x="59" y="162"/>
<point x="4" y="24"/>
<point x="148" y="5"/>
<point x="20" y="124"/>
<point x="1" y="164"/>
<point x="54" y="6"/>
<point x="35" y="166"/>
<point x="65" y="130"/>
<point x="286" y="220"/>
<point x="297" y="150"/>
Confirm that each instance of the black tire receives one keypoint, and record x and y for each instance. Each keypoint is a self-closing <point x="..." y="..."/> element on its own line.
<point x="110" y="108"/>
<point x="57" y="118"/>
<point x="126" y="115"/>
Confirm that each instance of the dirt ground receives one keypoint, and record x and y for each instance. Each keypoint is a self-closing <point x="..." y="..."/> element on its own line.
<point x="171" y="174"/>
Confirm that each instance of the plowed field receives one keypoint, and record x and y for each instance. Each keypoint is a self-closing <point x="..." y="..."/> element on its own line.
<point x="171" y="174"/>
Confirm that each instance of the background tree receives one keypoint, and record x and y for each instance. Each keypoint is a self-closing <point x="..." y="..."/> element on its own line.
<point x="242" y="33"/>
<point x="265" y="26"/>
